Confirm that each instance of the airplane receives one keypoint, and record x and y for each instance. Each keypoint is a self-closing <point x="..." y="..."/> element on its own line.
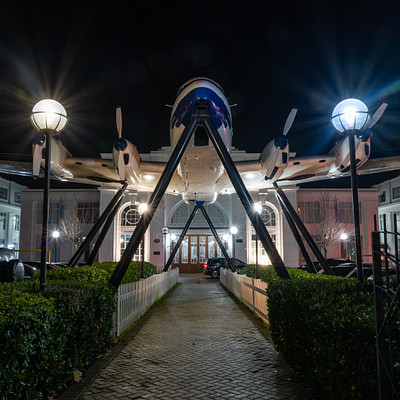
<point x="200" y="177"/>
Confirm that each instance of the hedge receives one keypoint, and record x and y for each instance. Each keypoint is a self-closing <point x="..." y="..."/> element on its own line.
<point x="324" y="328"/>
<point x="44" y="338"/>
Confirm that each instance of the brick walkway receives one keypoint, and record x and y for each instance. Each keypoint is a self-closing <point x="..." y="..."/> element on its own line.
<point x="197" y="344"/>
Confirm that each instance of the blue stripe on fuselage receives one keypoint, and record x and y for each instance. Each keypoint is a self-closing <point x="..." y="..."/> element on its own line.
<point x="218" y="110"/>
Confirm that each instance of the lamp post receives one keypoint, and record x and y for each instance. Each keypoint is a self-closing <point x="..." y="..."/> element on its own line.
<point x="49" y="118"/>
<point x="164" y="231"/>
<point x="234" y="232"/>
<point x="55" y="235"/>
<point x="350" y="117"/>
<point x="343" y="242"/>
<point x="142" y="209"/>
<point x="258" y="209"/>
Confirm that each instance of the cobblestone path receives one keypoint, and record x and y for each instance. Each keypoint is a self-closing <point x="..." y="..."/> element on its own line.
<point x="198" y="344"/>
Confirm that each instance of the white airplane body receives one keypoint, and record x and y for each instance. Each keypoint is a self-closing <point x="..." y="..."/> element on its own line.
<point x="200" y="176"/>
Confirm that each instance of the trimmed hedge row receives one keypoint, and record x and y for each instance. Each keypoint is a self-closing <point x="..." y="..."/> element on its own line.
<point x="44" y="338"/>
<point x="324" y="328"/>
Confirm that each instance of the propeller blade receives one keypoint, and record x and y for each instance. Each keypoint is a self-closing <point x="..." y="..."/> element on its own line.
<point x="119" y="121"/>
<point x="121" y="167"/>
<point x="36" y="160"/>
<point x="378" y="113"/>
<point x="289" y="121"/>
<point x="272" y="164"/>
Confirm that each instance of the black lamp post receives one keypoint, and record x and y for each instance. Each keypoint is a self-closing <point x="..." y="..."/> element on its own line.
<point x="234" y="232"/>
<point x="49" y="118"/>
<point x="350" y="117"/>
<point x="258" y="209"/>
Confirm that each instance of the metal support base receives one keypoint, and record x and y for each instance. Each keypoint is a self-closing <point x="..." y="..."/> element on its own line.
<point x="99" y="223"/>
<point x="201" y="117"/>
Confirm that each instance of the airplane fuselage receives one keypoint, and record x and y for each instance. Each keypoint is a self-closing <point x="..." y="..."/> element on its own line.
<point x="200" y="167"/>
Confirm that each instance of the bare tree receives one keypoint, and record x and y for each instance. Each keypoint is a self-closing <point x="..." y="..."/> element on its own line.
<point x="74" y="225"/>
<point x="329" y="228"/>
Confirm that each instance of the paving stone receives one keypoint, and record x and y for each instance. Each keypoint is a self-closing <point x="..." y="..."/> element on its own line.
<point x="198" y="345"/>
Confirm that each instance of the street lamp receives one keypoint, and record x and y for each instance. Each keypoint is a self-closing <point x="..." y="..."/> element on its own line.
<point x="234" y="232"/>
<point x="343" y="242"/>
<point x="164" y="231"/>
<point x="258" y="209"/>
<point x="49" y="118"/>
<point x="142" y="208"/>
<point x="55" y="235"/>
<point x="350" y="117"/>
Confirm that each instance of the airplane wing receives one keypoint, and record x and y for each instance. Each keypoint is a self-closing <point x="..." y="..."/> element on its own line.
<point x="302" y="170"/>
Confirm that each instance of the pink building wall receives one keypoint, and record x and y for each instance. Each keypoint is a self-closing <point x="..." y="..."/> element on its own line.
<point x="368" y="198"/>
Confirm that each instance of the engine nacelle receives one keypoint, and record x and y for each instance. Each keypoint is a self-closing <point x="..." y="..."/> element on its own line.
<point x="341" y="152"/>
<point x="127" y="160"/>
<point x="58" y="156"/>
<point x="275" y="157"/>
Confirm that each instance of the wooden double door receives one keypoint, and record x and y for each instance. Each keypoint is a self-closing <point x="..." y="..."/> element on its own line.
<point x="194" y="252"/>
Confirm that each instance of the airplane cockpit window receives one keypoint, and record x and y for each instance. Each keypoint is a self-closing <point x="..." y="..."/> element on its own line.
<point x="186" y="84"/>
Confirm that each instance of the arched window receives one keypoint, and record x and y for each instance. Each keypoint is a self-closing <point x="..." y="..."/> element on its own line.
<point x="128" y="219"/>
<point x="215" y="212"/>
<point x="270" y="217"/>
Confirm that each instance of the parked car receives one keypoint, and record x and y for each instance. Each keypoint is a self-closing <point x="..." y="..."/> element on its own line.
<point x="213" y="265"/>
<point x="12" y="269"/>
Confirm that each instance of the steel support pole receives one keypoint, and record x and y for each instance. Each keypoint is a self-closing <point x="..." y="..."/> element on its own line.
<point x="245" y="198"/>
<point x="296" y="234"/>
<point x="181" y="237"/>
<point x="103" y="232"/>
<point x="97" y="226"/>
<point x="356" y="208"/>
<point x="289" y="208"/>
<point x="153" y="203"/>
<point x="45" y="212"/>
<point x="214" y="232"/>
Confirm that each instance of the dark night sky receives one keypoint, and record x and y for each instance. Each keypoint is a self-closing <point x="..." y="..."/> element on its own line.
<point x="94" y="56"/>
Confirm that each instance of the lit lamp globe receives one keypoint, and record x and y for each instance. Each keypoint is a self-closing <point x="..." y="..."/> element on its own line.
<point x="350" y="115"/>
<point x="49" y="115"/>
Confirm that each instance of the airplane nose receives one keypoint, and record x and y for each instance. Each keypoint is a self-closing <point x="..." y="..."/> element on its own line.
<point x="281" y="142"/>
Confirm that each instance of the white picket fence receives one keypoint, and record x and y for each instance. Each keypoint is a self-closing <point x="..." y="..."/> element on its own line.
<point x="135" y="298"/>
<point x="250" y="291"/>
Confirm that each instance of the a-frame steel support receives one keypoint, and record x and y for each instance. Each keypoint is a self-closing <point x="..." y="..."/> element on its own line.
<point x="291" y="211"/>
<point x="220" y="244"/>
<point x="109" y="209"/>
<point x="153" y="203"/>
<point x="296" y="234"/>
<point x="202" y="117"/>
<point x="214" y="232"/>
<point x="103" y="232"/>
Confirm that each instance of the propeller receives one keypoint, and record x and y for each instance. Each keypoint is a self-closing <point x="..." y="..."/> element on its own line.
<point x="120" y="145"/>
<point x="378" y="113"/>
<point x="118" y="117"/>
<point x="289" y="121"/>
<point x="281" y="142"/>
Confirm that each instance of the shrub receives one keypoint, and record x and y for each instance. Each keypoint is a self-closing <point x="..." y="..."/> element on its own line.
<point x="99" y="272"/>
<point x="45" y="337"/>
<point x="324" y="328"/>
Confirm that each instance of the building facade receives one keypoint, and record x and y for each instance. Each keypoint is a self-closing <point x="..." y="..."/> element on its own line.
<point x="10" y="214"/>
<point x="73" y="213"/>
<point x="389" y="208"/>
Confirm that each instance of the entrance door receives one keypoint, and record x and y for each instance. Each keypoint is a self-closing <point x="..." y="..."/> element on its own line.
<point x="194" y="252"/>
